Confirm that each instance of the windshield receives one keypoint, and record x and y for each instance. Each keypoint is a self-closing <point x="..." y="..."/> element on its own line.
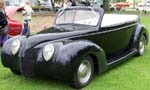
<point x="84" y="17"/>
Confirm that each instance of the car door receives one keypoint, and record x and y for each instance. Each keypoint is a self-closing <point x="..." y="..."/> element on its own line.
<point x="112" y="40"/>
<point x="115" y="40"/>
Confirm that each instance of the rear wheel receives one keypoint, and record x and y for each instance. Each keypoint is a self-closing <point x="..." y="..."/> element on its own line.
<point x="17" y="72"/>
<point x="141" y="45"/>
<point x="84" y="73"/>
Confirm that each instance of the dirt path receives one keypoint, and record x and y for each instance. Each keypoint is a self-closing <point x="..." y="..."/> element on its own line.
<point x="38" y="21"/>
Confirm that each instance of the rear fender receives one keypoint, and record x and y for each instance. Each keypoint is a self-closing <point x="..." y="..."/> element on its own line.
<point x="140" y="30"/>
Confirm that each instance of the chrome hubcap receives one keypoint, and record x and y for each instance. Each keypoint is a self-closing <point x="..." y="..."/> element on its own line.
<point x="142" y="46"/>
<point x="84" y="71"/>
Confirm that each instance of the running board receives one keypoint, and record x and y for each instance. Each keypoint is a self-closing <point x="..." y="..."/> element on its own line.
<point x="122" y="58"/>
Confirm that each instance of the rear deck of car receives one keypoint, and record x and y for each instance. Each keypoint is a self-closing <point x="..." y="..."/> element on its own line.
<point x="110" y="20"/>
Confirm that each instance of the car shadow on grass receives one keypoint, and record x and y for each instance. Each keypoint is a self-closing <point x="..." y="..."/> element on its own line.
<point x="118" y="67"/>
<point x="45" y="82"/>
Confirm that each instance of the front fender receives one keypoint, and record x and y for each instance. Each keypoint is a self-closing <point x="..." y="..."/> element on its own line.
<point x="66" y="58"/>
<point x="69" y="54"/>
<point x="9" y="60"/>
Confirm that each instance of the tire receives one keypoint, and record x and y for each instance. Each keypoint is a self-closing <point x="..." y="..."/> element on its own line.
<point x="17" y="72"/>
<point x="141" y="45"/>
<point x="84" y="73"/>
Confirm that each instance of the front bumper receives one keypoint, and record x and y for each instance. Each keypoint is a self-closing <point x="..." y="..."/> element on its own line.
<point x="10" y="61"/>
<point x="32" y="64"/>
<point x="32" y="67"/>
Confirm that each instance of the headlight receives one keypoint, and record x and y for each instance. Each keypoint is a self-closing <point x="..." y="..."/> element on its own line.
<point x="15" y="46"/>
<point x="48" y="52"/>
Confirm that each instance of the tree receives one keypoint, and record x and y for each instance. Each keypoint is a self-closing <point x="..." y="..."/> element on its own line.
<point x="133" y="3"/>
<point x="53" y="4"/>
<point x="106" y="5"/>
<point x="120" y="0"/>
<point x="73" y="2"/>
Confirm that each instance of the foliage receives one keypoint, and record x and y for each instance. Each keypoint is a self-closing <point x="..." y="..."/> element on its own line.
<point x="119" y="0"/>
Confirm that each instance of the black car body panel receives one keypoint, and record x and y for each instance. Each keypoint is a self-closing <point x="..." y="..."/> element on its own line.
<point x="108" y="45"/>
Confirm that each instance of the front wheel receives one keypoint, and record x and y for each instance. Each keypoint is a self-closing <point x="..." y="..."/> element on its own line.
<point x="141" y="45"/>
<point x="84" y="73"/>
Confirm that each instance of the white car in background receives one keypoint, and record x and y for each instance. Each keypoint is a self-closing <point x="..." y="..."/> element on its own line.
<point x="143" y="7"/>
<point x="96" y="4"/>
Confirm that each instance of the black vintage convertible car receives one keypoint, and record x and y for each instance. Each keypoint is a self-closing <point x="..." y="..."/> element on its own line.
<point x="82" y="41"/>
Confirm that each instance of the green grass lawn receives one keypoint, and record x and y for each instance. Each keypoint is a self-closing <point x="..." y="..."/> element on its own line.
<point x="133" y="74"/>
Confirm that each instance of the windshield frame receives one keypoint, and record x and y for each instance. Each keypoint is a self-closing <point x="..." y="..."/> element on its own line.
<point x="99" y="10"/>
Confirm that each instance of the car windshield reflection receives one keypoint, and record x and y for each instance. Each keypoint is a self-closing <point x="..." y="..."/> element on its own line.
<point x="81" y="17"/>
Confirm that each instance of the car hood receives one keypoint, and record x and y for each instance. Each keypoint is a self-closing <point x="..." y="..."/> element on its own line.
<point x="11" y="10"/>
<point x="40" y="38"/>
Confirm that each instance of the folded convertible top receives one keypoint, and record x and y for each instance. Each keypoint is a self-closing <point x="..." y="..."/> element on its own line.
<point x="110" y="20"/>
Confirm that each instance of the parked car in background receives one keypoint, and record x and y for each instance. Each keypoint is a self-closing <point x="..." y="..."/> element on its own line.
<point x="143" y="6"/>
<point x="83" y="41"/>
<point x="122" y="5"/>
<point x="96" y="4"/>
<point x="15" y="27"/>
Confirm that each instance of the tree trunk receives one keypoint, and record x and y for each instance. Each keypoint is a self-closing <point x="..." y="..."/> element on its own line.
<point x="73" y="2"/>
<point x="133" y="3"/>
<point x="106" y="5"/>
<point x="53" y="4"/>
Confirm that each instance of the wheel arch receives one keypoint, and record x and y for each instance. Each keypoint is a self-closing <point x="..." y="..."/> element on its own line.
<point x="68" y="54"/>
<point x="146" y="37"/>
<point x="140" y="29"/>
<point x="95" y="60"/>
<point x="83" y="48"/>
<point x="99" y="65"/>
